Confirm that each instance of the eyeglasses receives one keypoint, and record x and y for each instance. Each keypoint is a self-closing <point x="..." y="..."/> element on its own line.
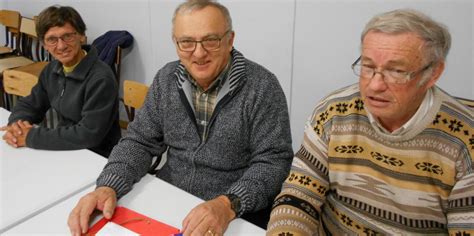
<point x="209" y="44"/>
<point x="67" y="38"/>
<point x="391" y="76"/>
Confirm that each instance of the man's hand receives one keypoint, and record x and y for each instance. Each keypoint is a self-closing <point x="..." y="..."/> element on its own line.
<point x="103" y="199"/>
<point x="209" y="218"/>
<point x="16" y="133"/>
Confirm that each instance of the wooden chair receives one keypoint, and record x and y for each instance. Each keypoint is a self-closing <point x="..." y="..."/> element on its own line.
<point x="11" y="21"/>
<point x="134" y="94"/>
<point x="20" y="79"/>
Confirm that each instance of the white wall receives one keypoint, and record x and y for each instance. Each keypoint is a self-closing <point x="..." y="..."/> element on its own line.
<point x="308" y="44"/>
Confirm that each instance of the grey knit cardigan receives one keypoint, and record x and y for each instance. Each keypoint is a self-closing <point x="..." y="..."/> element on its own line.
<point x="248" y="147"/>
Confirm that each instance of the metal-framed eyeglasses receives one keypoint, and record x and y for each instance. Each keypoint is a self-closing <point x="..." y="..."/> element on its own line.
<point x="67" y="38"/>
<point x="391" y="76"/>
<point x="209" y="44"/>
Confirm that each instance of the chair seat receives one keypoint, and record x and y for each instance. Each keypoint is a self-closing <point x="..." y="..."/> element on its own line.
<point x="5" y="50"/>
<point x="20" y="81"/>
<point x="12" y="62"/>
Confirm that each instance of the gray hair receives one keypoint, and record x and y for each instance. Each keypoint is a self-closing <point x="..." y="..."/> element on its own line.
<point x="192" y="5"/>
<point x="436" y="35"/>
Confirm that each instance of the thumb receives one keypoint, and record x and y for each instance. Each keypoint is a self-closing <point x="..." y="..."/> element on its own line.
<point x="109" y="208"/>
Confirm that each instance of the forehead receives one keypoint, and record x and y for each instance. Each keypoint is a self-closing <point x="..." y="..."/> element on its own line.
<point x="385" y="47"/>
<point x="59" y="30"/>
<point x="199" y="22"/>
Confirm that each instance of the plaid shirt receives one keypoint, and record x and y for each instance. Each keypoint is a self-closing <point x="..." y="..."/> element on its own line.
<point x="204" y="102"/>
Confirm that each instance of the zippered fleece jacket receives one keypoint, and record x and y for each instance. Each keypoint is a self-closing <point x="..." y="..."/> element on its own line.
<point x="85" y="100"/>
<point x="248" y="147"/>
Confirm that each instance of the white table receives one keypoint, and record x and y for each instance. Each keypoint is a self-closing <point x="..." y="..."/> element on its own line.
<point x="151" y="196"/>
<point x="32" y="181"/>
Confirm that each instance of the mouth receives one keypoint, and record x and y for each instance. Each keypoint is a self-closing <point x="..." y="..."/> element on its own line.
<point x="377" y="101"/>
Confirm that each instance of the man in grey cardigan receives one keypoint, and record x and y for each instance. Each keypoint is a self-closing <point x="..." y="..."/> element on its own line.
<point x="223" y="120"/>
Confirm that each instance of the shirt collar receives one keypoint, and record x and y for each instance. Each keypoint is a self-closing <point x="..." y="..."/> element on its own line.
<point x="217" y="82"/>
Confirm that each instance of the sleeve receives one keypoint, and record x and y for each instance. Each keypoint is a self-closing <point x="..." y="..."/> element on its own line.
<point x="270" y="149"/>
<point x="131" y="158"/>
<point x="33" y="107"/>
<point x="99" y="109"/>
<point x="461" y="207"/>
<point x="296" y="210"/>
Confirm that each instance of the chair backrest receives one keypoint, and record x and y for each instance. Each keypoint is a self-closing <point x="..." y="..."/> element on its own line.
<point x="12" y="21"/>
<point x="134" y="94"/>
<point x="30" y="44"/>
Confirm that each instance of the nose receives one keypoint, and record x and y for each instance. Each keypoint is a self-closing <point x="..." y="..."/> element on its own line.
<point x="377" y="83"/>
<point x="199" y="52"/>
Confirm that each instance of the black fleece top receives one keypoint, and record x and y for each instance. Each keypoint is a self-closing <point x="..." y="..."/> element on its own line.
<point x="86" y="101"/>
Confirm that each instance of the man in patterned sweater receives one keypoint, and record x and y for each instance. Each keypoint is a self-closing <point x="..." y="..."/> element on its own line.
<point x="391" y="155"/>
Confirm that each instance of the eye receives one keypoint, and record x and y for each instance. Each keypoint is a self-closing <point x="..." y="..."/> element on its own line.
<point x="211" y="40"/>
<point x="51" y="40"/>
<point x="397" y="71"/>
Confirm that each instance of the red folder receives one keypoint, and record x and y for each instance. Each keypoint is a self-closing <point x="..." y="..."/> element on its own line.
<point x="135" y="222"/>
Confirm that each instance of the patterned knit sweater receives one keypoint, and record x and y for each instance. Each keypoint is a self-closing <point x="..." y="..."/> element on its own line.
<point x="349" y="178"/>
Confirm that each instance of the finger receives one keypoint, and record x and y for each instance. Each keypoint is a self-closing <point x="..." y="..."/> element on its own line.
<point x="185" y="224"/>
<point x="73" y="222"/>
<point x="22" y="125"/>
<point x="16" y="128"/>
<point x="88" y="206"/>
<point x="203" y="227"/>
<point x="3" y="128"/>
<point x="194" y="220"/>
<point x="27" y="124"/>
<point x="109" y="207"/>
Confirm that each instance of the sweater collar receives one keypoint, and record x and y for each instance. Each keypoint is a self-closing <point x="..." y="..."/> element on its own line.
<point x="81" y="70"/>
<point x="235" y="77"/>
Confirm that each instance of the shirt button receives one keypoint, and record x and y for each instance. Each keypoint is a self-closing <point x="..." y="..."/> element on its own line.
<point x="204" y="95"/>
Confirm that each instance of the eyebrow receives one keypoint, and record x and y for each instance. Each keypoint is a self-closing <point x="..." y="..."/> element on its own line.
<point x="192" y="38"/>
<point x="389" y="63"/>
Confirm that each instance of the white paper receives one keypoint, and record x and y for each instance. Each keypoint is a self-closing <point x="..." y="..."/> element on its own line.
<point x="114" y="229"/>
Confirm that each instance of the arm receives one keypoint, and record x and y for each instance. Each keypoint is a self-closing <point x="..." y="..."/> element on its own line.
<point x="132" y="156"/>
<point x="461" y="207"/>
<point x="297" y="208"/>
<point x="99" y="108"/>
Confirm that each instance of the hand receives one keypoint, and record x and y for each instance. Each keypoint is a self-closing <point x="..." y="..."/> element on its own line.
<point x="103" y="199"/>
<point x="16" y="133"/>
<point x="209" y="218"/>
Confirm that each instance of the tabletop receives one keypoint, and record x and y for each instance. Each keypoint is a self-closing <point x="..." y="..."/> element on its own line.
<point x="32" y="181"/>
<point x="151" y="197"/>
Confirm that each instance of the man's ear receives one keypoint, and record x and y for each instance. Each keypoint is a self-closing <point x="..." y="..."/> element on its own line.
<point x="436" y="73"/>
<point x="231" y="40"/>
<point x="83" y="39"/>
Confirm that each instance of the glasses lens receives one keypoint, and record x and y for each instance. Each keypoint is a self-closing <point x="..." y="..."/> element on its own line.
<point x="187" y="45"/>
<point x="357" y="69"/>
<point x="68" y="37"/>
<point x="51" y="40"/>
<point x="211" y="44"/>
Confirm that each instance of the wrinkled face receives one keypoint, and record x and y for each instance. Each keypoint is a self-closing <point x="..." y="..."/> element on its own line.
<point x="67" y="48"/>
<point x="203" y="65"/>
<point x="393" y="104"/>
